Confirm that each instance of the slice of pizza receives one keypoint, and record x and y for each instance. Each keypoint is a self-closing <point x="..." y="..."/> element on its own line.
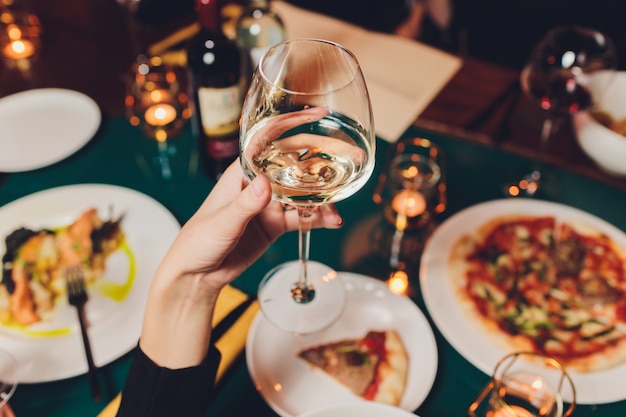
<point x="374" y="367"/>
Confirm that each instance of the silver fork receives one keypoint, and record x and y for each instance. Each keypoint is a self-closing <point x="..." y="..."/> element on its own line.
<point x="77" y="297"/>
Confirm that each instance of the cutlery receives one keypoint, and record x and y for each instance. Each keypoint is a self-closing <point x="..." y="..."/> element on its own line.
<point x="77" y="297"/>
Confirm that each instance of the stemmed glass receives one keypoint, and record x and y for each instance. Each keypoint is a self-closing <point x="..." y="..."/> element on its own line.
<point x="8" y="369"/>
<point x="157" y="103"/>
<point x="307" y="125"/>
<point x="556" y="77"/>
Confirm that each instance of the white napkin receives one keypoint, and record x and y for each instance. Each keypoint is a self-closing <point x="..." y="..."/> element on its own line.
<point x="402" y="75"/>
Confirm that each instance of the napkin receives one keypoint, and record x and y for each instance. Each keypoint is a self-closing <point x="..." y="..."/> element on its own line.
<point x="231" y="342"/>
<point x="403" y="76"/>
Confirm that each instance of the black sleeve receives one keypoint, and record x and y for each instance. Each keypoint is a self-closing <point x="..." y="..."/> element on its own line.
<point x="154" y="391"/>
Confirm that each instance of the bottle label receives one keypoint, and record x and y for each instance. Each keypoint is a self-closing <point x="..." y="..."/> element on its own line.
<point x="222" y="149"/>
<point x="220" y="109"/>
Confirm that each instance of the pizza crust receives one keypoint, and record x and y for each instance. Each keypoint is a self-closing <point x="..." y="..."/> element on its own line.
<point x="394" y="371"/>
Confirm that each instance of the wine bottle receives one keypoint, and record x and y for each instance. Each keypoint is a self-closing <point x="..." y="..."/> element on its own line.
<point x="258" y="28"/>
<point x="215" y="70"/>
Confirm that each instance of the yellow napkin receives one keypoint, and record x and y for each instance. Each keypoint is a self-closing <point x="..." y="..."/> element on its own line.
<point x="230" y="344"/>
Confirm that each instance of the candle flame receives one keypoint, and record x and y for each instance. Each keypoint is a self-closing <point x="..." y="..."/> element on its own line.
<point x="18" y="46"/>
<point x="398" y="282"/>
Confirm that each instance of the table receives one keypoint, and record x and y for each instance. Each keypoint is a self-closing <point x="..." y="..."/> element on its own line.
<point x="82" y="54"/>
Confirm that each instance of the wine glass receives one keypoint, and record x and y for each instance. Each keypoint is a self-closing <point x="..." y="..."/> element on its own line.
<point x="158" y="104"/>
<point x="8" y="384"/>
<point x="307" y="126"/>
<point x="556" y="77"/>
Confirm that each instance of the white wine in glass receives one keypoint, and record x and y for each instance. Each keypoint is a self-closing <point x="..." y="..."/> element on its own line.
<point x="307" y="125"/>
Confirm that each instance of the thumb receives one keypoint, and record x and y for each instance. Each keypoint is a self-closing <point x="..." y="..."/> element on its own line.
<point x="252" y="200"/>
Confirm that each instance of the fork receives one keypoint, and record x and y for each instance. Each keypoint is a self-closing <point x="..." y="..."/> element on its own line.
<point x="77" y="297"/>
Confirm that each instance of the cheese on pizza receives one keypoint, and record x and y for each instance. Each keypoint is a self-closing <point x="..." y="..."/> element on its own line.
<point x="373" y="367"/>
<point x="554" y="288"/>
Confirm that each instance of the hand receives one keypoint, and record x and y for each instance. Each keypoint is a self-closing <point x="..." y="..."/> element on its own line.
<point x="5" y="411"/>
<point x="236" y="223"/>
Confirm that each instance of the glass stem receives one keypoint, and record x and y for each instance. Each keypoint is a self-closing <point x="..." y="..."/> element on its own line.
<point x="303" y="291"/>
<point x="546" y="131"/>
<point x="538" y="174"/>
<point x="549" y="126"/>
<point x="164" y="160"/>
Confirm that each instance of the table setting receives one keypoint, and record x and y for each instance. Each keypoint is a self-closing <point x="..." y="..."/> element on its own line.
<point x="68" y="149"/>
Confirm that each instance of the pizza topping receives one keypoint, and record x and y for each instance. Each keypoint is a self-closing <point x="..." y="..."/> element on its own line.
<point x="373" y="367"/>
<point x="596" y="291"/>
<point x="559" y="286"/>
<point x="354" y="362"/>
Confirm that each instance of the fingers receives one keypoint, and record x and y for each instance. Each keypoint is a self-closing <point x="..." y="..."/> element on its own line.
<point x="326" y="216"/>
<point x="253" y="199"/>
<point x="281" y="124"/>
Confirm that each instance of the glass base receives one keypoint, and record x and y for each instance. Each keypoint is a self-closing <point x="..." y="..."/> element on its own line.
<point x="285" y="312"/>
<point x="535" y="184"/>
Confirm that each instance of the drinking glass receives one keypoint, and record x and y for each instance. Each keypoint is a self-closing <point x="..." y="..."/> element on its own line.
<point x="8" y="384"/>
<point x="556" y="77"/>
<point x="158" y="104"/>
<point x="307" y="126"/>
<point x="526" y="384"/>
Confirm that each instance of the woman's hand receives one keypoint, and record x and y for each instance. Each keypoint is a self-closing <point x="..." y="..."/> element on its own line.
<point x="5" y="411"/>
<point x="236" y="223"/>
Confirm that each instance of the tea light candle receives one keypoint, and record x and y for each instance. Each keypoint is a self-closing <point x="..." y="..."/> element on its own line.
<point x="409" y="203"/>
<point x="19" y="49"/>
<point x="398" y="283"/>
<point x="160" y="114"/>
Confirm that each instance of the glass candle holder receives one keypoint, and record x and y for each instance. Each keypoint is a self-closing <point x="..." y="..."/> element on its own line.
<point x="156" y="101"/>
<point x="412" y="188"/>
<point x="526" y="384"/>
<point x="20" y="42"/>
<point x="158" y="104"/>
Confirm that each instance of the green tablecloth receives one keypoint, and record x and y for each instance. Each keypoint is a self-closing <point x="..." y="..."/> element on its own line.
<point x="119" y="155"/>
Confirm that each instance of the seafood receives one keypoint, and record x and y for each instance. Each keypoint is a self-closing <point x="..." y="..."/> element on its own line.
<point x="33" y="265"/>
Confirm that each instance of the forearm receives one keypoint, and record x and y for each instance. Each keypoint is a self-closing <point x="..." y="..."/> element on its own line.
<point x="177" y="324"/>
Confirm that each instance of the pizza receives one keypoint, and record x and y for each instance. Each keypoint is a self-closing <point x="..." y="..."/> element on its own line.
<point x="35" y="261"/>
<point x="373" y="367"/>
<point x="536" y="284"/>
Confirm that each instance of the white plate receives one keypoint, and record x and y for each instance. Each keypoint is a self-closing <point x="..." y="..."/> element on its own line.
<point x="43" y="126"/>
<point x="463" y="333"/>
<point x="291" y="387"/>
<point x="114" y="325"/>
<point x="365" y="409"/>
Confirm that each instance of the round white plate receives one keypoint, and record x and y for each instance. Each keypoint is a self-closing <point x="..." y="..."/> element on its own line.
<point x="463" y="333"/>
<point x="43" y="126"/>
<point x="114" y="326"/>
<point x="291" y="387"/>
<point x="364" y="409"/>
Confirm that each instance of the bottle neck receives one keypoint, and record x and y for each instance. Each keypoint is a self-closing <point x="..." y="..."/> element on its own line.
<point x="208" y="12"/>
